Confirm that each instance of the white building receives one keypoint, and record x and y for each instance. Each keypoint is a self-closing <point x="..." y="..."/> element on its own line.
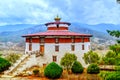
<point x="56" y="41"/>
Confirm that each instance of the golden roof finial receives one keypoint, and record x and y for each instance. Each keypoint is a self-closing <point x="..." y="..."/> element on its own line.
<point x="57" y="18"/>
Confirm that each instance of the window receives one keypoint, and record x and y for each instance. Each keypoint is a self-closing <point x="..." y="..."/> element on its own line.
<point x="56" y="48"/>
<point x="83" y="47"/>
<point x="30" y="40"/>
<point x="42" y="49"/>
<point x="72" y="47"/>
<point x="57" y="25"/>
<point x="83" y="40"/>
<point x="56" y="40"/>
<point x="54" y="58"/>
<point x="30" y="46"/>
<point x="73" y="40"/>
<point x="42" y="40"/>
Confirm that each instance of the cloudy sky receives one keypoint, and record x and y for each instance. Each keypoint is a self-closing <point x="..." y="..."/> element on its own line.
<point x="42" y="11"/>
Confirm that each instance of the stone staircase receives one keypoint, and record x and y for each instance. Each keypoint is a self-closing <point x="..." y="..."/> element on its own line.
<point x="22" y="64"/>
<point x="42" y="60"/>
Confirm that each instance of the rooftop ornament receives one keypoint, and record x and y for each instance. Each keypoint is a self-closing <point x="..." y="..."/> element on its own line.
<point x="57" y="18"/>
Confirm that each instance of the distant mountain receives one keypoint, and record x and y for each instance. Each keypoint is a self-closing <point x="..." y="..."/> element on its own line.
<point x="15" y="27"/>
<point x="15" y="36"/>
<point x="98" y="31"/>
<point x="99" y="27"/>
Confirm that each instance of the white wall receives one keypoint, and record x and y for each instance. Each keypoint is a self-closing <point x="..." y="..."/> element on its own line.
<point x="63" y="48"/>
<point x="27" y="47"/>
<point x="35" y="46"/>
<point x="54" y="25"/>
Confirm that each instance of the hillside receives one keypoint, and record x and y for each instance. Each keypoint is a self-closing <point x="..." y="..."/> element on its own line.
<point x="15" y="36"/>
<point x="98" y="31"/>
<point x="99" y="27"/>
<point x="16" y="27"/>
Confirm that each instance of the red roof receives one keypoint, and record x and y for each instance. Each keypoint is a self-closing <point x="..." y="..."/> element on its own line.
<point x="57" y="33"/>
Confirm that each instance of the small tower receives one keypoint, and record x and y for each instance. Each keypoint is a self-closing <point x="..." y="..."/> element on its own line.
<point x="57" y="25"/>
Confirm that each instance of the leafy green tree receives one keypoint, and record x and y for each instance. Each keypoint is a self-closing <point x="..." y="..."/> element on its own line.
<point x="110" y="58"/>
<point x="118" y="59"/>
<point x="110" y="54"/>
<point x="68" y="60"/>
<point x="91" y="57"/>
<point x="12" y="57"/>
<point x="118" y="1"/>
<point x="115" y="33"/>
<point x="110" y="61"/>
<point x="4" y="64"/>
<point x="115" y="48"/>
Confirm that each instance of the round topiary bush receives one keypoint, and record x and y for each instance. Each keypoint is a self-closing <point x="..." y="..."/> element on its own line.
<point x="93" y="69"/>
<point x="53" y="71"/>
<point x="77" y="67"/>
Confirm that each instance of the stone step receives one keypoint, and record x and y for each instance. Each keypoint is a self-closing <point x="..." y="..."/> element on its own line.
<point x="18" y="64"/>
<point x="21" y="66"/>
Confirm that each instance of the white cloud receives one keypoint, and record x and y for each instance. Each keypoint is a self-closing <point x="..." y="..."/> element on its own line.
<point x="41" y="11"/>
<point x="99" y="12"/>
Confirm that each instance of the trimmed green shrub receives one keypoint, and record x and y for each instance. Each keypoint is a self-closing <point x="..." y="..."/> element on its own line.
<point x="77" y="67"/>
<point x="93" y="69"/>
<point x="53" y="71"/>
<point x="4" y="64"/>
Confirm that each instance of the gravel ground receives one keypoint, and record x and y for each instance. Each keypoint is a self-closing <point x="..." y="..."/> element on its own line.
<point x="14" y="79"/>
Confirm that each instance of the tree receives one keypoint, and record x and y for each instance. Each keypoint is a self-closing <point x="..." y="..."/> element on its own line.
<point x="110" y="58"/>
<point x="77" y="67"/>
<point x="12" y="57"/>
<point x="93" y="69"/>
<point x="68" y="60"/>
<point x="110" y="54"/>
<point x="53" y="70"/>
<point x="115" y="33"/>
<point x="115" y="48"/>
<point x="118" y="1"/>
<point x="4" y="64"/>
<point x="91" y="57"/>
<point x="118" y="59"/>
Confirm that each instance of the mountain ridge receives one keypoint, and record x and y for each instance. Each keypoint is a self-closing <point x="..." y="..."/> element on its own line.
<point x="96" y="31"/>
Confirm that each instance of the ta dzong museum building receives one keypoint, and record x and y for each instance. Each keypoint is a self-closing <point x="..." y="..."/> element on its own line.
<point x="56" y="41"/>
